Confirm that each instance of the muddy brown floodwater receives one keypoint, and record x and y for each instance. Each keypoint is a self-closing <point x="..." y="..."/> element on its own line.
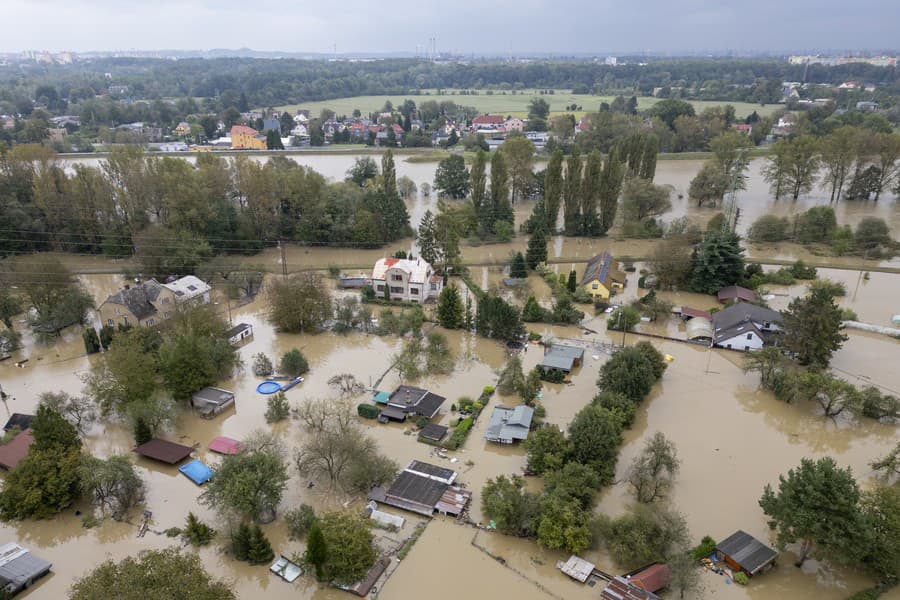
<point x="731" y="437"/>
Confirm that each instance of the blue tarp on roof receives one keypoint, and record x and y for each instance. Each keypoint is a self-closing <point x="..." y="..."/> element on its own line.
<point x="197" y="472"/>
<point x="381" y="397"/>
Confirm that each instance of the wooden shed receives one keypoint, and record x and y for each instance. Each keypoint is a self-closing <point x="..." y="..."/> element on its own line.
<point x="743" y="552"/>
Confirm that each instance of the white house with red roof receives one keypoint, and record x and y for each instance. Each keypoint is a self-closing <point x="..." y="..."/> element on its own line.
<point x="408" y="280"/>
<point x="488" y="121"/>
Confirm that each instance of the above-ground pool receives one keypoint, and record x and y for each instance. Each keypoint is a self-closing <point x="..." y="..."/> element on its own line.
<point x="268" y="387"/>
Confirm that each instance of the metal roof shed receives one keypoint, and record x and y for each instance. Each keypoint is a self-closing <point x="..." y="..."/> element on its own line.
<point x="744" y="552"/>
<point x="19" y="568"/>
<point x="164" y="451"/>
<point x="557" y="362"/>
<point x="225" y="445"/>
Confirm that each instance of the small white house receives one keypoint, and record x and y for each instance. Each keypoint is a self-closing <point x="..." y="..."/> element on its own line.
<point x="745" y="326"/>
<point x="744" y="336"/>
<point x="239" y="333"/>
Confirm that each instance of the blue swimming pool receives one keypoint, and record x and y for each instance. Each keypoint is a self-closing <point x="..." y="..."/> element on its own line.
<point x="268" y="387"/>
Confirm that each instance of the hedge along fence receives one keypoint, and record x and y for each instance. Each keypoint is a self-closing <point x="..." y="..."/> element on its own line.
<point x="464" y="426"/>
<point x="368" y="411"/>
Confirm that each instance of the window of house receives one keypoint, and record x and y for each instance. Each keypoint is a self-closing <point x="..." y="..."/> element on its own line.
<point x="396" y="277"/>
<point x="149" y="322"/>
<point x="117" y="311"/>
<point x="380" y="288"/>
<point x="433" y="287"/>
<point x="749" y="336"/>
<point x="746" y="348"/>
<point x="414" y="291"/>
<point x="165" y="300"/>
<point x="396" y="290"/>
<point x="165" y="315"/>
<point x="595" y="287"/>
<point x="109" y="322"/>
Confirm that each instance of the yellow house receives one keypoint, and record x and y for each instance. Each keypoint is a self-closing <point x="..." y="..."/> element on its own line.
<point x="603" y="277"/>
<point x="183" y="129"/>
<point x="247" y="138"/>
<point x="145" y="304"/>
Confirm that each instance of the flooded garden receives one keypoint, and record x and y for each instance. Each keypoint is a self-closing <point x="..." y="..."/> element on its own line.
<point x="732" y="437"/>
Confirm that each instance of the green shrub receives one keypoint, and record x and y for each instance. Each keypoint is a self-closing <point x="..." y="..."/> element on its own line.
<point x="368" y="411"/>
<point x="539" y="411"/>
<point x="741" y="578"/>
<point x="299" y="521"/>
<point x="460" y="433"/>
<point x="802" y="271"/>
<point x="421" y="422"/>
<point x="534" y="337"/>
<point x="277" y="408"/>
<point x="706" y="547"/>
<point x="868" y="594"/>
<point x="552" y="376"/>
<point x="293" y="363"/>
<point x="487" y="390"/>
<point x="848" y="314"/>
<point x="197" y="532"/>
<point x="833" y="288"/>
<point x="465" y="403"/>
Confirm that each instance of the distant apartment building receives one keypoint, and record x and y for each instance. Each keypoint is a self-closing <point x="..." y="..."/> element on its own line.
<point x="247" y="138"/>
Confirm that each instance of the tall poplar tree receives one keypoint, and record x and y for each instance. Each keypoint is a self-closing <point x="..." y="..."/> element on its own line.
<point x="610" y="187"/>
<point x="478" y="180"/>
<point x="572" y="192"/>
<point x="590" y="190"/>
<point x="553" y="186"/>
<point x="388" y="175"/>
<point x="502" y="209"/>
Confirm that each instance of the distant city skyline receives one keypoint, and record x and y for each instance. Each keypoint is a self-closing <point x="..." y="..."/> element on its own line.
<point x="536" y="27"/>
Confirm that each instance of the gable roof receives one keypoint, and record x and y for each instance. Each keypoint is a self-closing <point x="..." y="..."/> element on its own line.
<point x="432" y="471"/>
<point x="15" y="450"/>
<point x="687" y="311"/>
<point x="488" y="120"/>
<point x="743" y="312"/>
<point x="509" y="423"/>
<point x="556" y="361"/>
<point x="568" y="351"/>
<point x="433" y="432"/>
<point x="242" y="129"/>
<point x="736" y="292"/>
<point x="604" y="269"/>
<point x="620" y="588"/>
<point x="19" y="566"/>
<point x="138" y="299"/>
<point x="417" y="268"/>
<point x="653" y="578"/>
<point x="19" y="420"/>
<point x="747" y="551"/>
<point x="413" y="399"/>
<point x="225" y="445"/>
<point x="742" y="328"/>
<point x="415" y="488"/>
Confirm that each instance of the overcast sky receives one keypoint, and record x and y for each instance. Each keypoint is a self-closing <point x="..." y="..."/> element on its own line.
<point x="463" y="26"/>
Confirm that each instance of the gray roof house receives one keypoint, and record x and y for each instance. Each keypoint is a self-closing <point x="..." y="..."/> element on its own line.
<point x="509" y="424"/>
<point x="210" y="401"/>
<point x="19" y="568"/>
<point x="561" y="357"/>
<point x="407" y="400"/>
<point x="744" y="326"/>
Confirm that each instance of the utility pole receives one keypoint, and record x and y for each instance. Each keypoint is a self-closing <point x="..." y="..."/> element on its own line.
<point x="283" y="260"/>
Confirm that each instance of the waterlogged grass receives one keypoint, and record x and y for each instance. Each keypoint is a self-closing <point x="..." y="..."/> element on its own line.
<point x="506" y="103"/>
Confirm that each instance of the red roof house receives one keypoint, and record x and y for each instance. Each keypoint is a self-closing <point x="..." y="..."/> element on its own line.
<point x="736" y="292"/>
<point x="12" y="452"/>
<point x="488" y="120"/>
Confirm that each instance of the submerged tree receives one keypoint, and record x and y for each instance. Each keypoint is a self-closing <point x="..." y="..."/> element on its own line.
<point x="653" y="471"/>
<point x="816" y="504"/>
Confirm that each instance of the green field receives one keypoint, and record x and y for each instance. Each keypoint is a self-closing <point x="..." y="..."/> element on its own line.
<point x="507" y="103"/>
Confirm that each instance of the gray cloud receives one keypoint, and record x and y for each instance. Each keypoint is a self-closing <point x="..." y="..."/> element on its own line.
<point x="464" y="26"/>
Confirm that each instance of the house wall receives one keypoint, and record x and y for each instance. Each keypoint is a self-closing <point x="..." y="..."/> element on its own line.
<point x="597" y="290"/>
<point x="741" y="342"/>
